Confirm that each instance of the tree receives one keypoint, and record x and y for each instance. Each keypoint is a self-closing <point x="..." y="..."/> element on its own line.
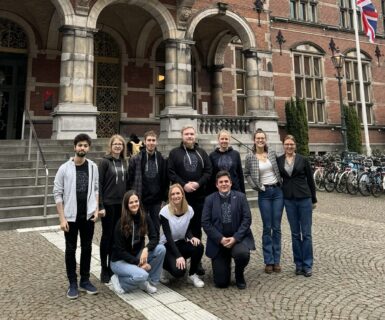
<point x="353" y="129"/>
<point x="296" y="124"/>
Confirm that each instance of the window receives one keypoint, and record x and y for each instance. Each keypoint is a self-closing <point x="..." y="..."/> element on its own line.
<point x="304" y="10"/>
<point x="309" y="84"/>
<point x="353" y="86"/>
<point x="347" y="15"/>
<point x="240" y="81"/>
<point x="160" y="78"/>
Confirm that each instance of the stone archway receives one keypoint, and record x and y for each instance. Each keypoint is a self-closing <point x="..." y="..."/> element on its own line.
<point x="154" y="7"/>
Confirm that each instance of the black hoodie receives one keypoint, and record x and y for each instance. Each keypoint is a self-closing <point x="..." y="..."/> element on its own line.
<point x="113" y="178"/>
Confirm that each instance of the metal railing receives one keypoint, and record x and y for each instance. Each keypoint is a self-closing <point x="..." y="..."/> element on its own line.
<point x="39" y="154"/>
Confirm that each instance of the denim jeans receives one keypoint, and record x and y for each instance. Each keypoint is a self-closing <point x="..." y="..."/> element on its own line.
<point x="131" y="276"/>
<point x="299" y="214"/>
<point x="270" y="204"/>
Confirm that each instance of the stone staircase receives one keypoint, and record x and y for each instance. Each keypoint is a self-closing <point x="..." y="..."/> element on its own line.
<point x="22" y="196"/>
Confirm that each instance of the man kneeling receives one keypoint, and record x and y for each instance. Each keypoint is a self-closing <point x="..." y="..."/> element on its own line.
<point x="226" y="219"/>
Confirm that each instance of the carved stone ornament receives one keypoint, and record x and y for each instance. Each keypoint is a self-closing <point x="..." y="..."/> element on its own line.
<point x="82" y="7"/>
<point x="184" y="14"/>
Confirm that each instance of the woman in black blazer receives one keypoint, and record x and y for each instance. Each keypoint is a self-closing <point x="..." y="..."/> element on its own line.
<point x="300" y="198"/>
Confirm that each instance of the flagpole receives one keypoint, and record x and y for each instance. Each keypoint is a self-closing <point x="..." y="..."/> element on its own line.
<point x="361" y="81"/>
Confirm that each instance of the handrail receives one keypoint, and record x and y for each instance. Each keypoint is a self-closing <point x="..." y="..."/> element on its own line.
<point x="39" y="152"/>
<point x="242" y="144"/>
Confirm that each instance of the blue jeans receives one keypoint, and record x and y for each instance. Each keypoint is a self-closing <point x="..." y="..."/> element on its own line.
<point x="270" y="204"/>
<point x="299" y="213"/>
<point x="131" y="276"/>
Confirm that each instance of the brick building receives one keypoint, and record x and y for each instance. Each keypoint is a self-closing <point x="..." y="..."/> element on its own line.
<point x="106" y="66"/>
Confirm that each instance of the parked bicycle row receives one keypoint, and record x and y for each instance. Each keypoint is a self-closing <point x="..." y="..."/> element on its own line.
<point x="351" y="174"/>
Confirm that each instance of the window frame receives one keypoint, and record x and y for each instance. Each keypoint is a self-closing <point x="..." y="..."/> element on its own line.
<point x="304" y="10"/>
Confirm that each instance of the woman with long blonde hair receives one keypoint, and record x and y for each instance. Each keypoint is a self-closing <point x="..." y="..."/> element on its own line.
<point x="113" y="176"/>
<point x="178" y="239"/>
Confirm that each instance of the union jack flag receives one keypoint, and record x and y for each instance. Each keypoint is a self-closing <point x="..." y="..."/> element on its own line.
<point x="369" y="18"/>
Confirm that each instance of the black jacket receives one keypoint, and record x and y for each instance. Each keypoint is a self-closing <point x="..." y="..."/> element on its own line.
<point x="230" y="161"/>
<point x="112" y="180"/>
<point x="123" y="248"/>
<point x="182" y="170"/>
<point x="301" y="183"/>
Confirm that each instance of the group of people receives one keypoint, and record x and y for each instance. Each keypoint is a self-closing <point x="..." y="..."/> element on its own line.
<point x="153" y="210"/>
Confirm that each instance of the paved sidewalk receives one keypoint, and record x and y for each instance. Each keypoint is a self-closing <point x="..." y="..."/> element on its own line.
<point x="348" y="280"/>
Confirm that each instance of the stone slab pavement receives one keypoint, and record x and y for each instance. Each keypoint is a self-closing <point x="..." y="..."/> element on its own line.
<point x="348" y="279"/>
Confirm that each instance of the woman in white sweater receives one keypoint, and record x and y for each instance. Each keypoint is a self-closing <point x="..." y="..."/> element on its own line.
<point x="178" y="239"/>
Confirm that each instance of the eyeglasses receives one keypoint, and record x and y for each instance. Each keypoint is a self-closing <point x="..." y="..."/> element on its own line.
<point x="289" y="144"/>
<point x="117" y="144"/>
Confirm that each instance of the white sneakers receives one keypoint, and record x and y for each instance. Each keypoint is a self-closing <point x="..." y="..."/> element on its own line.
<point x="116" y="285"/>
<point x="195" y="280"/>
<point x="147" y="287"/>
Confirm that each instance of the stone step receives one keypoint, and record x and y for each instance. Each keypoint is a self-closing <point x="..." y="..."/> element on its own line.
<point x="29" y="222"/>
<point x="50" y="148"/>
<point x="24" y="191"/>
<point x="24" y="181"/>
<point x="26" y="211"/>
<point x="48" y="156"/>
<point x="26" y="200"/>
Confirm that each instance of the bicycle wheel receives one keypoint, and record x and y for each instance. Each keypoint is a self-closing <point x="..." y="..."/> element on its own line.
<point x="376" y="185"/>
<point x="319" y="180"/>
<point x="341" y="182"/>
<point x="352" y="183"/>
<point x="329" y="181"/>
<point x="363" y="184"/>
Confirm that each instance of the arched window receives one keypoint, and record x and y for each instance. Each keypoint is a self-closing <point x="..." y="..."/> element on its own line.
<point x="353" y="85"/>
<point x="308" y="71"/>
<point x="11" y="35"/>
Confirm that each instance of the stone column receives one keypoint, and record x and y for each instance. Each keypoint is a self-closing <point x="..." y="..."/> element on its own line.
<point x="217" y="89"/>
<point x="178" y="89"/>
<point x="260" y="96"/>
<point x="75" y="112"/>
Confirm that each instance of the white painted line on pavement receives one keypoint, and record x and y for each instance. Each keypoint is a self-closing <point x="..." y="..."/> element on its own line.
<point x="166" y="304"/>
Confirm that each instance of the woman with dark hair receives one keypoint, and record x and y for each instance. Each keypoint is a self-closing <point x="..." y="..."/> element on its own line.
<point x="113" y="176"/>
<point x="135" y="264"/>
<point x="178" y="239"/>
<point x="300" y="199"/>
<point x="263" y="175"/>
<point x="224" y="157"/>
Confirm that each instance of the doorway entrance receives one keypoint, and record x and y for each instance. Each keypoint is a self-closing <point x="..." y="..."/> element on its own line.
<point x="13" y="72"/>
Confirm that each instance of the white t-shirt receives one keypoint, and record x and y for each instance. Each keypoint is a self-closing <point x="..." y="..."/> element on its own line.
<point x="266" y="173"/>
<point x="178" y="224"/>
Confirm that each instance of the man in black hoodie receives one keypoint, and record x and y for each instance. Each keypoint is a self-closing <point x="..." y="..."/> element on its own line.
<point x="190" y="166"/>
<point x="148" y="177"/>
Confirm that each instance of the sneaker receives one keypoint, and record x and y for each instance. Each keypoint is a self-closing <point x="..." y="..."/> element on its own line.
<point x="308" y="273"/>
<point x="105" y="275"/>
<point x="165" y="277"/>
<point x="147" y="287"/>
<point x="87" y="286"/>
<point x="72" y="292"/>
<point x="196" y="281"/>
<point x="240" y="281"/>
<point x="299" y="272"/>
<point x="116" y="284"/>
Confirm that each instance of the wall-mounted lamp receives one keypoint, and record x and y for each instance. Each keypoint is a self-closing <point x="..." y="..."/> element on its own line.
<point x="258" y="6"/>
<point x="378" y="54"/>
<point x="332" y="46"/>
<point x="281" y="40"/>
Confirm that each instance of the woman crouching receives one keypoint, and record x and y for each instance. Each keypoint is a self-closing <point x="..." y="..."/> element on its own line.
<point x="134" y="264"/>
<point x="178" y="239"/>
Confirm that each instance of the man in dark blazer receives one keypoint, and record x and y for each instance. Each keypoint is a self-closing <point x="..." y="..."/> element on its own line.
<point x="226" y="219"/>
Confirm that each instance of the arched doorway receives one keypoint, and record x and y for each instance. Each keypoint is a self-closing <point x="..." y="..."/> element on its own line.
<point x="107" y="84"/>
<point x="13" y="72"/>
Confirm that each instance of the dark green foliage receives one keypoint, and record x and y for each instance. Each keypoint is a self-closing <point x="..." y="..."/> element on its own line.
<point x="296" y="124"/>
<point x="353" y="129"/>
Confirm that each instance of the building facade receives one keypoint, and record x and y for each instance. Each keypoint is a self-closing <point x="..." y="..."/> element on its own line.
<point x="107" y="66"/>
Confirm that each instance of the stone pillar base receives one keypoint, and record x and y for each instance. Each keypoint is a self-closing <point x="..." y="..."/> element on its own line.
<point x="173" y="119"/>
<point x="71" y="119"/>
<point x="270" y="126"/>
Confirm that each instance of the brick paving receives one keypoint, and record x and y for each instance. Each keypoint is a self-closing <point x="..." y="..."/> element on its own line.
<point x="348" y="280"/>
